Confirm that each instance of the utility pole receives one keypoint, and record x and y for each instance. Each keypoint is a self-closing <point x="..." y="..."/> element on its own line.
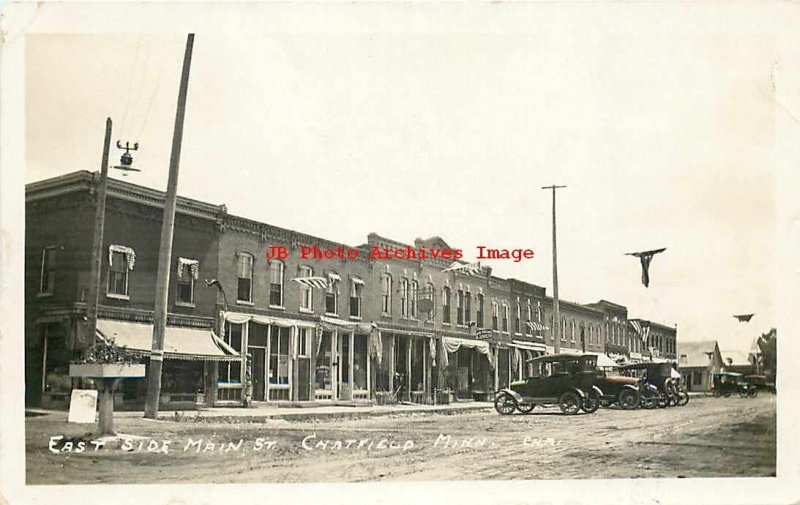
<point x="165" y="250"/>
<point x="97" y="246"/>
<point x="556" y="319"/>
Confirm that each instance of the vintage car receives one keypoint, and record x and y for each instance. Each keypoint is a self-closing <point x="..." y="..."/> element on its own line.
<point x="566" y="380"/>
<point x="618" y="389"/>
<point x="725" y="383"/>
<point x="659" y="384"/>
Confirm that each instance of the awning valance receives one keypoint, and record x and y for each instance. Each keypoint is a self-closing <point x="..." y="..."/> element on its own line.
<point x="241" y="318"/>
<point x="312" y="282"/>
<point x="531" y="346"/>
<point x="334" y="277"/>
<point x="332" y="323"/>
<point x="192" y="265"/>
<point x="357" y="280"/>
<point x="130" y="255"/>
<point x="195" y="344"/>
<point x="451" y="344"/>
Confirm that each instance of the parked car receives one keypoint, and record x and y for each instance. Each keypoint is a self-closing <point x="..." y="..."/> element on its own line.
<point x="618" y="389"/>
<point x="726" y="383"/>
<point x="566" y="380"/>
<point x="659" y="384"/>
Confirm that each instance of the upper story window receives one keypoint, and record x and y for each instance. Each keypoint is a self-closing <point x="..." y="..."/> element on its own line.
<point x="517" y="320"/>
<point x="467" y="307"/>
<point x="479" y="311"/>
<point x="459" y="307"/>
<point x="404" y="297"/>
<point x="495" y="315"/>
<point x="430" y="290"/>
<point x="446" y="305"/>
<point x="47" y="276"/>
<point x="356" y="285"/>
<point x="306" y="291"/>
<point x="276" y="283"/>
<point x="188" y="272"/>
<point x="572" y="331"/>
<point x="505" y="317"/>
<point x="332" y="294"/>
<point x="120" y="261"/>
<point x="386" y="294"/>
<point x="563" y="329"/>
<point x="412" y="299"/>
<point x="244" y="285"/>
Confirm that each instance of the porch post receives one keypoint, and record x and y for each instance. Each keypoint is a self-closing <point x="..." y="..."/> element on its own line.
<point x="294" y="363"/>
<point x="428" y="365"/>
<point x="391" y="364"/>
<point x="312" y="367"/>
<point x="409" y="341"/>
<point x="351" y="376"/>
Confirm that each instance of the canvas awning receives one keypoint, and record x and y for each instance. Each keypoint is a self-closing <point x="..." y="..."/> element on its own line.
<point x="195" y="344"/>
<point x="451" y="344"/>
<point x="530" y="346"/>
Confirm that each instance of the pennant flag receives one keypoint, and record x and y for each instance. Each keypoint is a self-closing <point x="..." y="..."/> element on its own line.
<point x="465" y="268"/>
<point x="312" y="282"/>
<point x="744" y="318"/>
<point x="645" y="257"/>
<point x="642" y="328"/>
<point x="536" y="327"/>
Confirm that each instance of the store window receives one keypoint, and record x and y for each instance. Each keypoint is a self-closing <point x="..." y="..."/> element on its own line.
<point x="279" y="355"/>
<point x="230" y="371"/>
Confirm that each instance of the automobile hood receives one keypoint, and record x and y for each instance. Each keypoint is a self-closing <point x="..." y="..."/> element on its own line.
<point x="621" y="380"/>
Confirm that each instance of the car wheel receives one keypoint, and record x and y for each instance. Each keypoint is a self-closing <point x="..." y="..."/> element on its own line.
<point x="505" y="404"/>
<point x="717" y="394"/>
<point x="525" y="408"/>
<point x="726" y="394"/>
<point x="569" y="403"/>
<point x="752" y="393"/>
<point x="684" y="398"/>
<point x="629" y="399"/>
<point x="743" y="393"/>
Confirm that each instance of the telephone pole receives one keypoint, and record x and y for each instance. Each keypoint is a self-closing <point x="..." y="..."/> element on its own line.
<point x="165" y="250"/>
<point x="556" y="332"/>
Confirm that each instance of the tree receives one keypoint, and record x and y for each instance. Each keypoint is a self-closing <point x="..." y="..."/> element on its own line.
<point x="767" y="346"/>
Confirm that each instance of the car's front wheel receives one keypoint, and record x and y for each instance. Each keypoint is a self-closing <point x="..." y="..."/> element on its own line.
<point x="752" y="392"/>
<point x="684" y="398"/>
<point x="591" y="404"/>
<point x="629" y="399"/>
<point x="569" y="403"/>
<point x="526" y="408"/>
<point x="505" y="404"/>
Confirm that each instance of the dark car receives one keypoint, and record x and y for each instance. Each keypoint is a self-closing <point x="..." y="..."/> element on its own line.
<point x="618" y="389"/>
<point x="659" y="384"/>
<point x="566" y="380"/>
<point x="723" y="384"/>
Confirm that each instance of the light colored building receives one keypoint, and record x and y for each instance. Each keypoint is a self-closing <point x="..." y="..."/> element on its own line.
<point x="697" y="361"/>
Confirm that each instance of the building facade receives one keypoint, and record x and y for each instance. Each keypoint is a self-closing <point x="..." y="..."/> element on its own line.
<point x="263" y="313"/>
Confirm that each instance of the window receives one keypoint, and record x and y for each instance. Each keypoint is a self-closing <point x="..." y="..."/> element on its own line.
<point x="467" y="307"/>
<point x="517" y="327"/>
<point x="505" y="317"/>
<point x="332" y="294"/>
<point x="356" y="285"/>
<point x="495" y="315"/>
<point x="276" y="283"/>
<point x="230" y="371"/>
<point x="563" y="329"/>
<point x="528" y="318"/>
<point x="386" y="294"/>
<point x="446" y="305"/>
<point x="244" y="287"/>
<point x="479" y="312"/>
<point x="306" y="292"/>
<point x="459" y="307"/>
<point x="413" y="298"/>
<point x="430" y="290"/>
<point x="120" y="259"/>
<point x="572" y="331"/>
<point x="188" y="272"/>
<point x="279" y="355"/>
<point x="404" y="297"/>
<point x="48" y="273"/>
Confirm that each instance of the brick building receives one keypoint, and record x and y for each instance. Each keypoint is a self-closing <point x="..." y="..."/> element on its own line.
<point x="283" y="322"/>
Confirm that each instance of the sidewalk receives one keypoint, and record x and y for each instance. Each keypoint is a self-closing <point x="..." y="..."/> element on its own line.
<point x="296" y="412"/>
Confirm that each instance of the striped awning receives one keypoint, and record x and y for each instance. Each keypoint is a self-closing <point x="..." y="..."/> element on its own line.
<point x="536" y="326"/>
<point x="312" y="282"/>
<point x="334" y="277"/>
<point x="357" y="280"/>
<point x="465" y="268"/>
<point x="530" y="346"/>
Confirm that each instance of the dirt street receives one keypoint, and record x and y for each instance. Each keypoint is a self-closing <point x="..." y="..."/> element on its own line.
<point x="707" y="438"/>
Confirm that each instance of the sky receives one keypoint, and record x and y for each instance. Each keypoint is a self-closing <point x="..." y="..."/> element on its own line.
<point x="661" y="129"/>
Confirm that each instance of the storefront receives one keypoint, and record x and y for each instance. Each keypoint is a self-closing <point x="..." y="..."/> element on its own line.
<point x="521" y="354"/>
<point x="467" y="368"/>
<point x="343" y="359"/>
<point x="405" y="372"/>
<point x="276" y="352"/>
